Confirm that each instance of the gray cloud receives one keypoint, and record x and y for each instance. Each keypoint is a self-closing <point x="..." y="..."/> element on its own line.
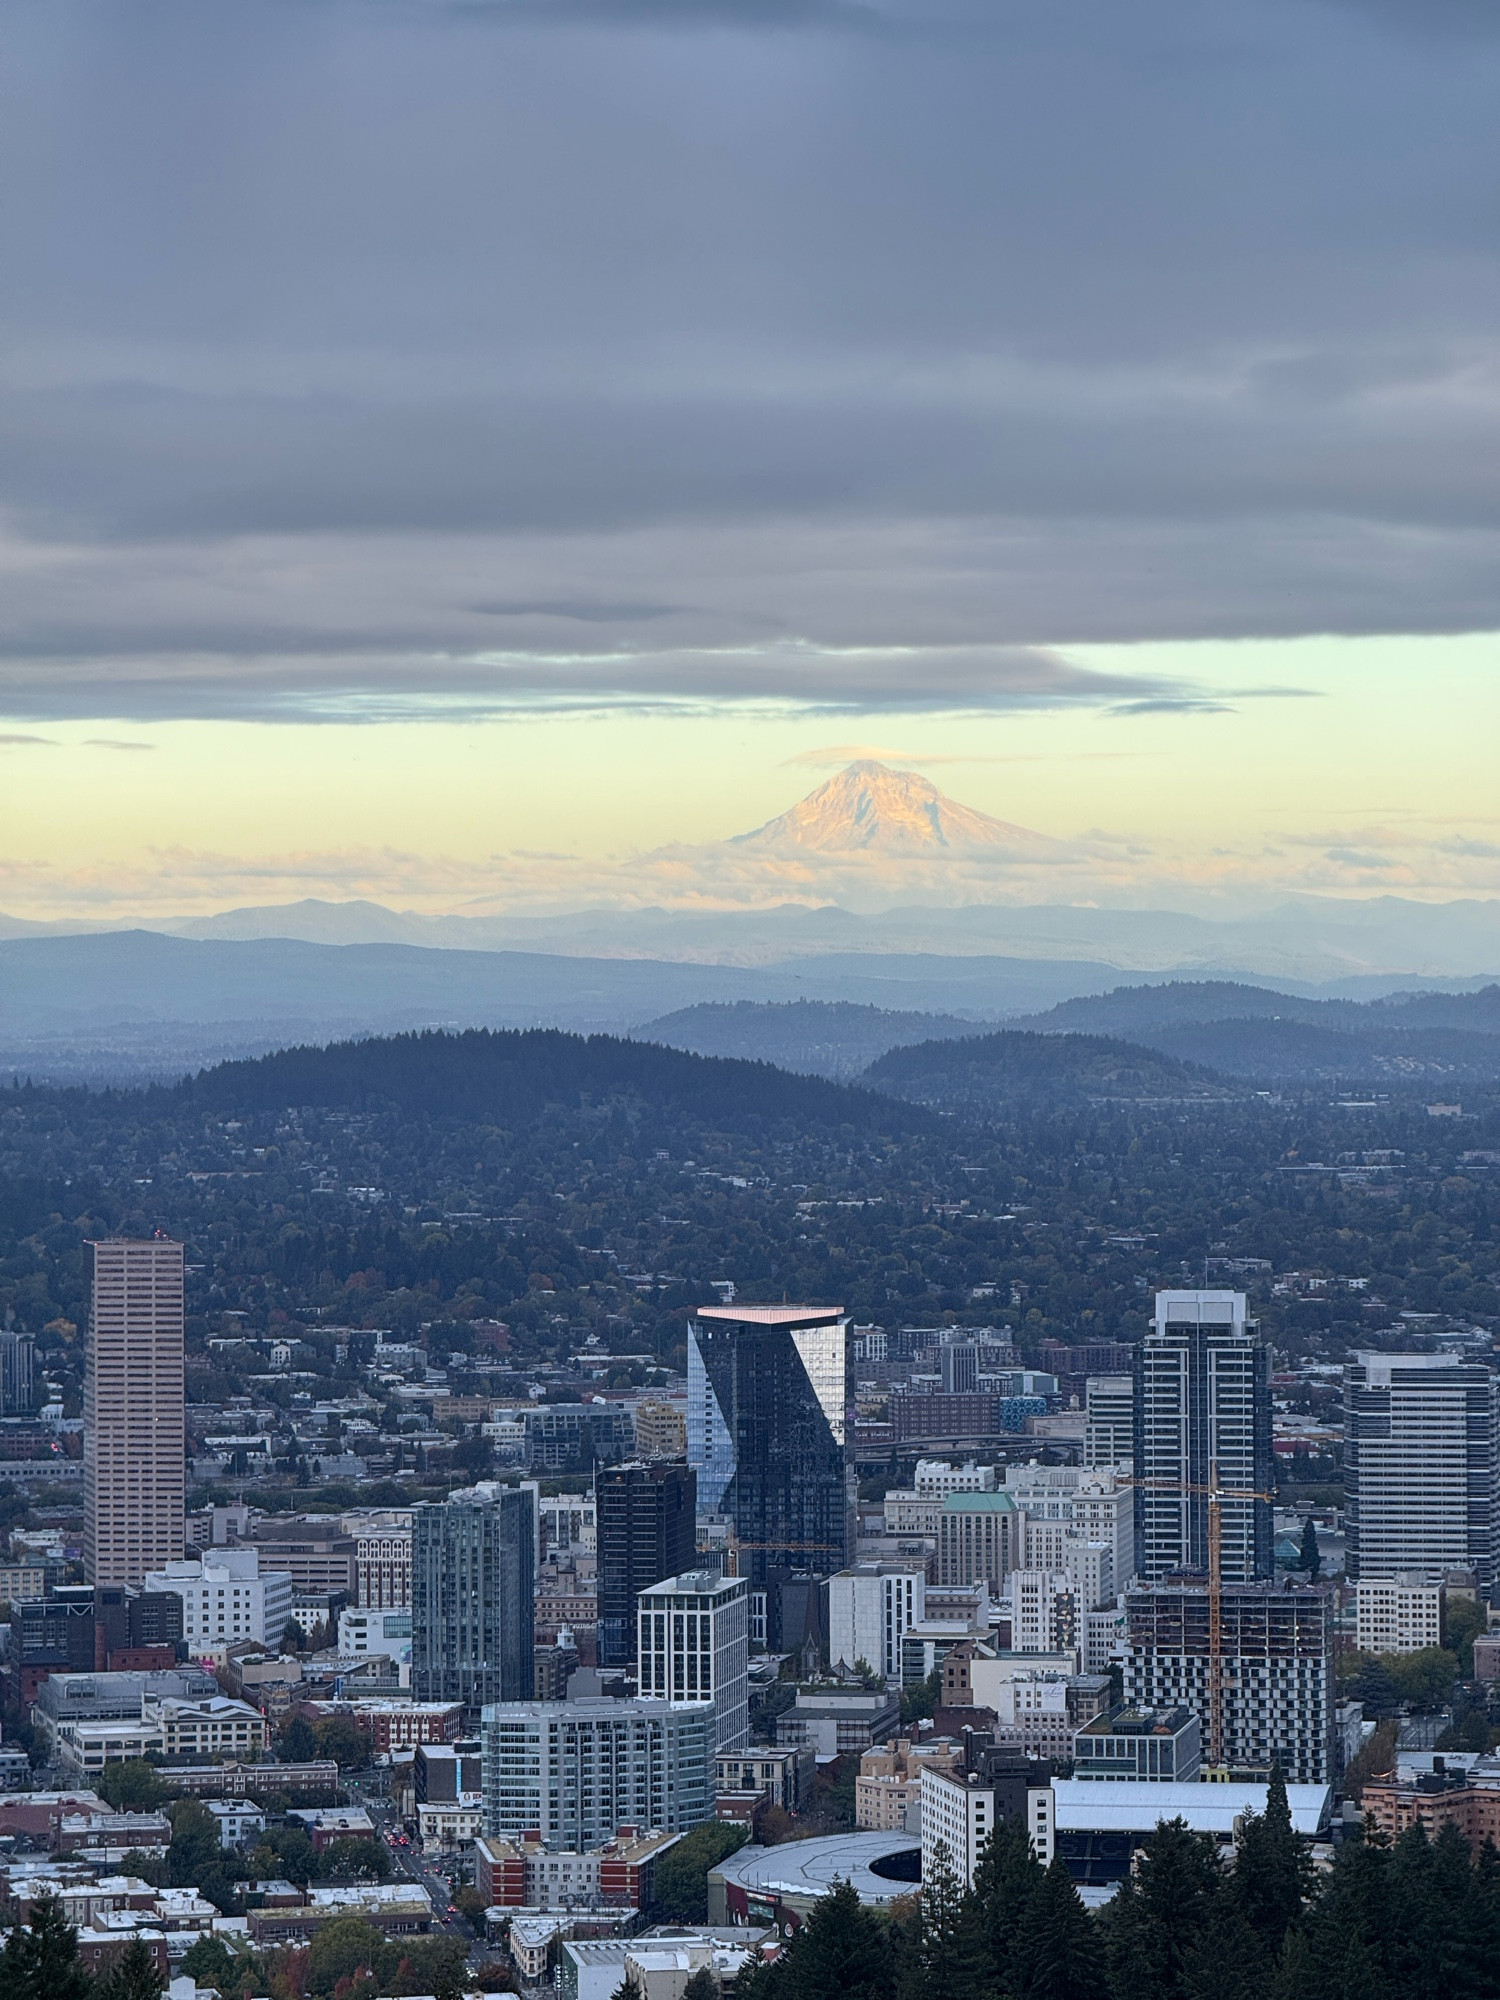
<point x="862" y="356"/>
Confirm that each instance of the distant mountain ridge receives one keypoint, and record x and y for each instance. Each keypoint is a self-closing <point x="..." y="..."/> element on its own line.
<point x="837" y="1038"/>
<point x="1251" y="1031"/>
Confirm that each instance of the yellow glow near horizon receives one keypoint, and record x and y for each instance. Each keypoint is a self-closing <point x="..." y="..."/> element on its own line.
<point x="1387" y="762"/>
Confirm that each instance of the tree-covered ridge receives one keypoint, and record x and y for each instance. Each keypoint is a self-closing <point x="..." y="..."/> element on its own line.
<point x="981" y="1076"/>
<point x="511" y="1077"/>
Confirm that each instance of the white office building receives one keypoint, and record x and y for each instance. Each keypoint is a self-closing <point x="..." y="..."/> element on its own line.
<point x="961" y="1810"/>
<point x="936" y="1475"/>
<point x="694" y="1645"/>
<point x="1420" y="1457"/>
<point x="1398" y="1614"/>
<point x="1044" y="1611"/>
<point x="1108" y="1421"/>
<point x="1098" y="1504"/>
<point x="226" y="1597"/>
<point x="871" y="1607"/>
<point x="572" y="1772"/>
<point x="369" y="1634"/>
<point x="382" y="1559"/>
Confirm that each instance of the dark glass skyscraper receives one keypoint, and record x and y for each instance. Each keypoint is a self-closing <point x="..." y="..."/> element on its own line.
<point x="646" y="1517"/>
<point x="17" y="1374"/>
<point x="769" y="1434"/>
<point x="473" y="1580"/>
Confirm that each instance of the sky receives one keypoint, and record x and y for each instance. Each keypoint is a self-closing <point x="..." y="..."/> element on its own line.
<point x="453" y="449"/>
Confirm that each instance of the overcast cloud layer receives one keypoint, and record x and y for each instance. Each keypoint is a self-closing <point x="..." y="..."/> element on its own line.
<point x="378" y="357"/>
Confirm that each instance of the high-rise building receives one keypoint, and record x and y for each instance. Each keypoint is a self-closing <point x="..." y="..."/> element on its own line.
<point x="1092" y="1503"/>
<point x="962" y="1808"/>
<point x="694" y="1645"/>
<point x="473" y="1583"/>
<point x="134" y="1415"/>
<point x="1090" y="1566"/>
<point x="1044" y="1611"/>
<point x="646" y="1528"/>
<point x="1420" y="1462"/>
<point x="17" y="1374"/>
<point x="571" y="1773"/>
<point x="870" y="1608"/>
<point x="1276" y="1672"/>
<point x="660" y="1430"/>
<point x="382" y="1561"/>
<point x="1202" y="1413"/>
<point x="769" y="1433"/>
<point x="958" y="1367"/>
<point x="1108" y="1420"/>
<point x="979" y="1539"/>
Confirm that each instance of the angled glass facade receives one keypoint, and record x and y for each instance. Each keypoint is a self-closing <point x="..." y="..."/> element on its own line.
<point x="769" y="1433"/>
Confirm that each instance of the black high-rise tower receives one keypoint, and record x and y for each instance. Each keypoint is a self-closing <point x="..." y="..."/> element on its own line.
<point x="647" y="1530"/>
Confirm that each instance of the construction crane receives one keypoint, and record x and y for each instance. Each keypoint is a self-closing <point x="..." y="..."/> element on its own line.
<point x="1216" y="1495"/>
<point x="735" y="1545"/>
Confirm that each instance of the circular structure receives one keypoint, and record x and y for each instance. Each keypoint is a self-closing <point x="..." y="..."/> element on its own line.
<point x="781" y="1884"/>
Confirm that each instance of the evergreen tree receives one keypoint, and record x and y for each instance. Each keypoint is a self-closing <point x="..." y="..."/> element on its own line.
<point x="1158" y="1918"/>
<point x="1310" y="1558"/>
<point x="134" y="1977"/>
<point x="1272" y="1872"/>
<point x="1057" y="1954"/>
<point x="1228" y="1959"/>
<point x="1344" y="1956"/>
<point x="1005" y="1880"/>
<point x="40" y="1960"/>
<point x="947" y="1957"/>
<point x="1479" y="1944"/>
<point x="840" y="1953"/>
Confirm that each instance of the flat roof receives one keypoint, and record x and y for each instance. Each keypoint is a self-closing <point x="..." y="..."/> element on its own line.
<point x="697" y="1583"/>
<point x="1094" y="1805"/>
<point x="772" y="1315"/>
<point x="814" y="1868"/>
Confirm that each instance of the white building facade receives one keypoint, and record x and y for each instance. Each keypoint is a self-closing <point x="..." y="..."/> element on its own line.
<point x="693" y="1644"/>
<point x="870" y="1609"/>
<point x="1398" y="1614"/>
<point x="226" y="1597"/>
<point x="571" y="1773"/>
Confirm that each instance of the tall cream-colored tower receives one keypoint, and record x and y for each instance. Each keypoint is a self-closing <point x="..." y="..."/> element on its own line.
<point x="133" y="1412"/>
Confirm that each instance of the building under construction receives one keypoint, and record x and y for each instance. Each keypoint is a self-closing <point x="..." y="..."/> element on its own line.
<point x="1275" y="1670"/>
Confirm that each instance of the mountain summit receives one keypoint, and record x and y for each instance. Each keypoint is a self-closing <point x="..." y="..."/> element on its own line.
<point x="871" y="809"/>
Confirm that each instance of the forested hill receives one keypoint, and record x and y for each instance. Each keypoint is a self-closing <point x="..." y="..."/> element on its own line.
<point x="511" y="1077"/>
<point x="985" y="1075"/>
